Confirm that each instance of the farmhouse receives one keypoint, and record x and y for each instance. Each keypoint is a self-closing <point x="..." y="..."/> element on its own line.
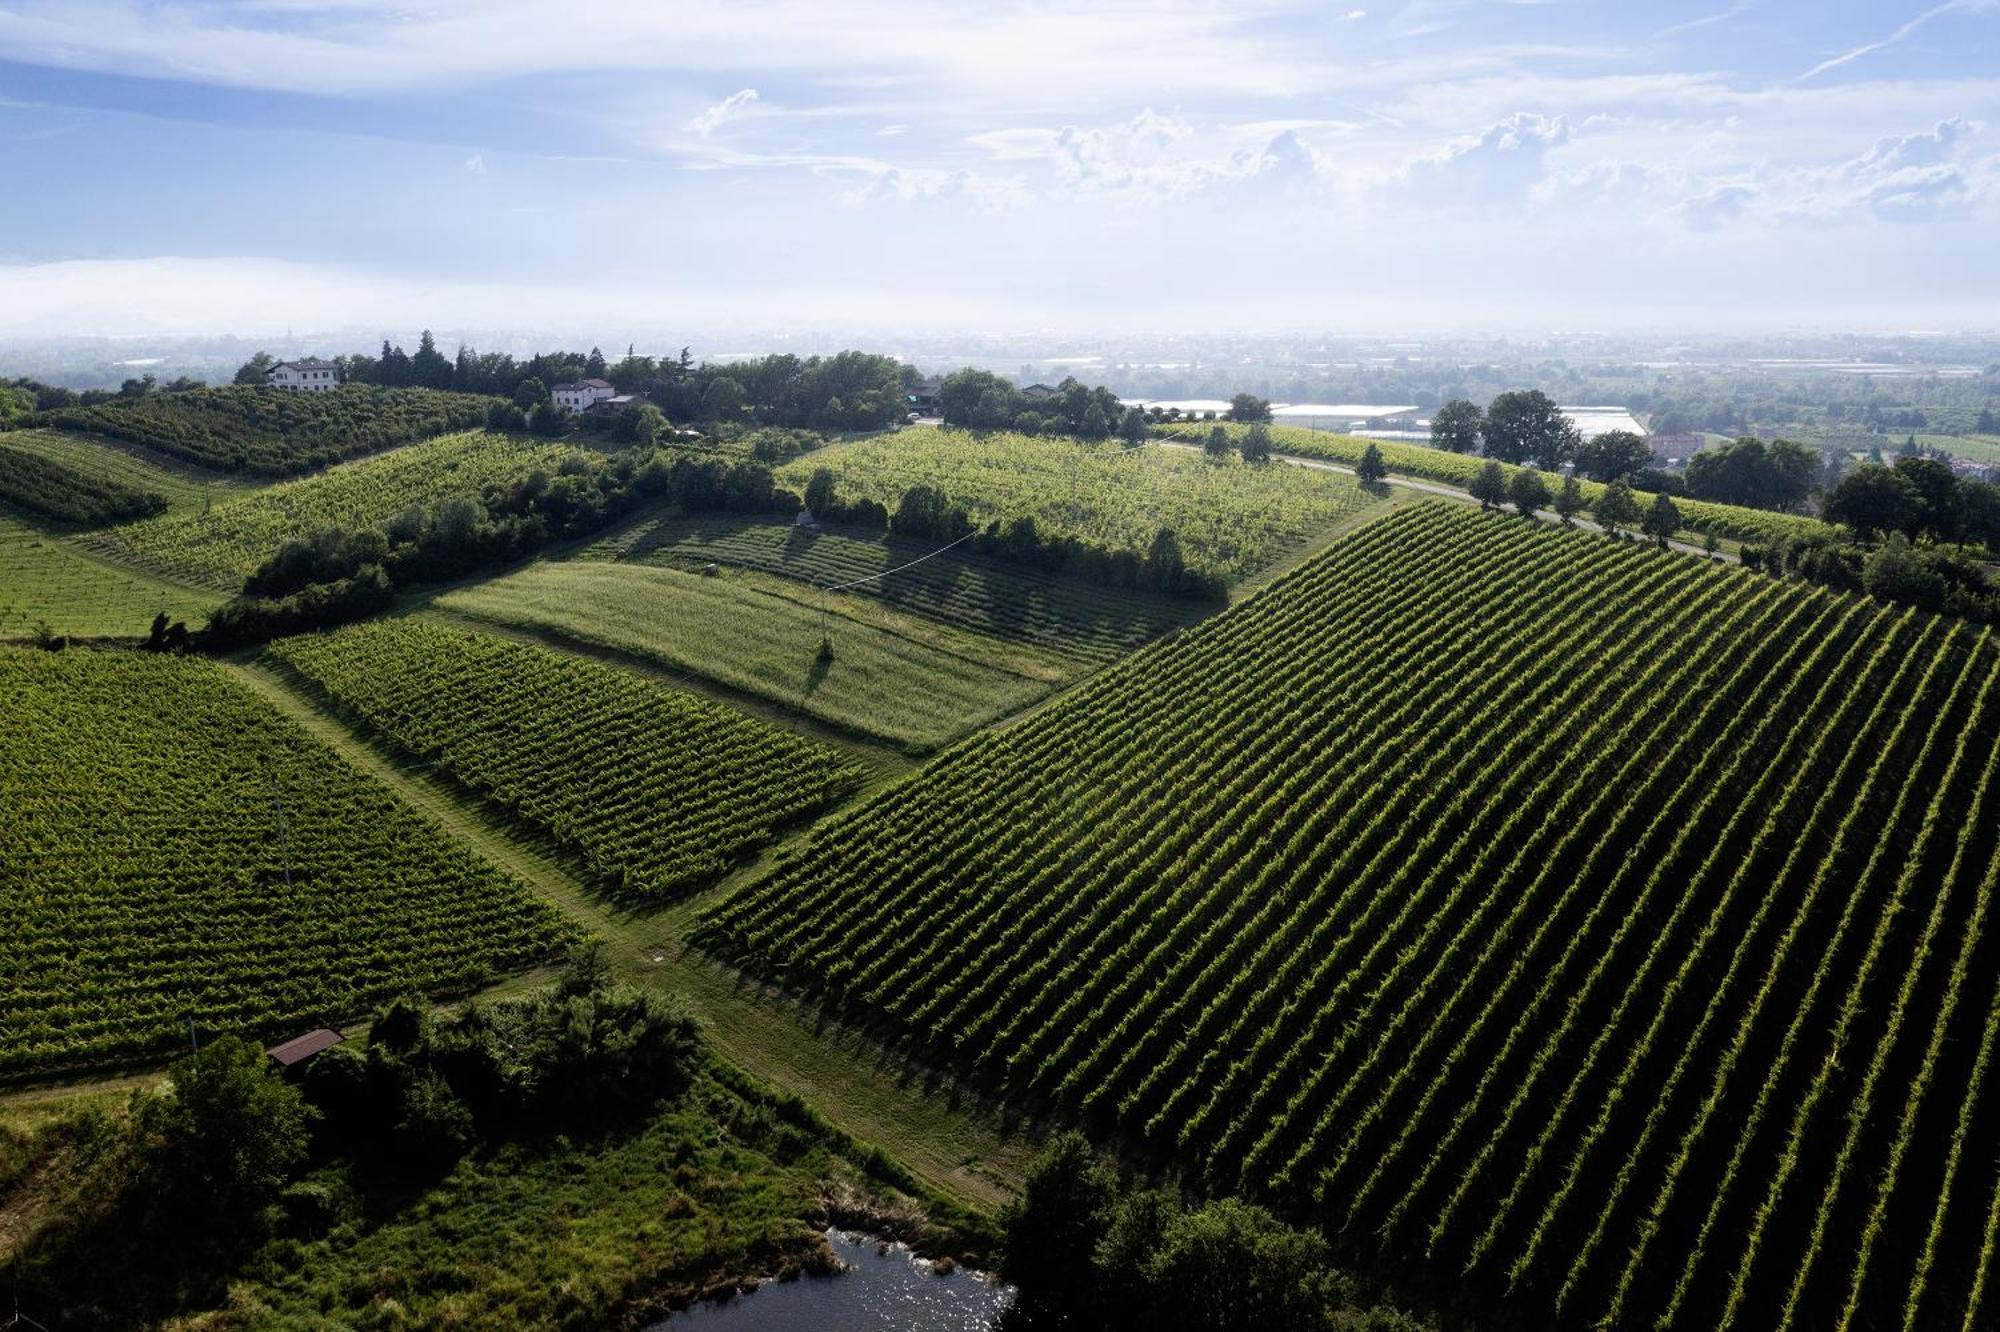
<point x="923" y="397"/>
<point x="582" y="395"/>
<point x="311" y="375"/>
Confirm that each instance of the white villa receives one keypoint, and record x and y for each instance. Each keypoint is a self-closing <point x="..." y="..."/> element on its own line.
<point x="582" y="395"/>
<point x="311" y="375"/>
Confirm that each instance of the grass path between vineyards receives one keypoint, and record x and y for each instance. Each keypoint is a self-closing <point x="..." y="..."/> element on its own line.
<point x="961" y="1151"/>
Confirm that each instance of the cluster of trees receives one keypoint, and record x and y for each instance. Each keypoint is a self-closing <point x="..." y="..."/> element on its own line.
<point x="1522" y="426"/>
<point x="1918" y="498"/>
<point x="980" y="400"/>
<point x="231" y="1152"/>
<point x="339" y="575"/>
<point x="1933" y="578"/>
<point x="926" y="513"/>
<point x="1616" y="509"/>
<point x="1086" y="1250"/>
<point x="1778" y="475"/>
<point x="848" y="391"/>
<point x="19" y="397"/>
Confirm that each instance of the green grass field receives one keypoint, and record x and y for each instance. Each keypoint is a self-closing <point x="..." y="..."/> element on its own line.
<point x="147" y="876"/>
<point x="1084" y="621"/>
<point x="44" y="579"/>
<point x="1233" y="519"/>
<point x="1657" y="993"/>
<point x="187" y="489"/>
<point x="218" y="548"/>
<point x="892" y="677"/>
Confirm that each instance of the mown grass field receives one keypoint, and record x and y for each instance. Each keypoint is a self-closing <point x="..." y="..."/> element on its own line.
<point x="1083" y="621"/>
<point x="44" y="579"/>
<point x="655" y="790"/>
<point x="890" y="677"/>
<point x="1233" y="519"/>
<point x="1657" y="993"/>
<point x="148" y="878"/>
<point x="186" y="489"/>
<point x="219" y="547"/>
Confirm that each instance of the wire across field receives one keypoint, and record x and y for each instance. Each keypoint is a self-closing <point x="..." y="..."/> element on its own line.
<point x="656" y="790"/>
<point x="173" y="851"/>
<point x="887" y="676"/>
<point x="1600" y="927"/>
<point x="219" y="547"/>
<point x="1233" y="519"/>
<point x="1084" y="621"/>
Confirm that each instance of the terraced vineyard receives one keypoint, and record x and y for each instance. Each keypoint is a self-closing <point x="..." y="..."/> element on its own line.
<point x="270" y="432"/>
<point x="218" y="548"/>
<point x="889" y="677"/>
<point x="1457" y="469"/>
<point x="1086" y="622"/>
<point x="1597" y="930"/>
<point x="1233" y="519"/>
<point x="655" y="789"/>
<point x="147" y="879"/>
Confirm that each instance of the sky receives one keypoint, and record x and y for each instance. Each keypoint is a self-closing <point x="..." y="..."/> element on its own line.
<point x="213" y="166"/>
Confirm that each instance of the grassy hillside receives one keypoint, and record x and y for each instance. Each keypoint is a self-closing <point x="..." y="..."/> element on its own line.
<point x="271" y="432"/>
<point x="1457" y="469"/>
<point x="1593" y="930"/>
<point x="1085" y="622"/>
<point x="146" y="877"/>
<point x="890" y="677"/>
<point x="113" y="463"/>
<point x="1233" y="519"/>
<point x="656" y="790"/>
<point x="219" y="547"/>
<point x="46" y="580"/>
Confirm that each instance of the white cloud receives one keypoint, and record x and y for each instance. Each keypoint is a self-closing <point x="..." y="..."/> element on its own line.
<point x="712" y="119"/>
<point x="1715" y="206"/>
<point x="1902" y="33"/>
<point x="1500" y="165"/>
<point x="476" y="164"/>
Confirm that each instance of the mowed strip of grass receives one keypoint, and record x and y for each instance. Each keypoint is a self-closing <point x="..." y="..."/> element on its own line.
<point x="1088" y="622"/>
<point x="888" y="676"/>
<point x="46" y="580"/>
<point x="186" y="489"/>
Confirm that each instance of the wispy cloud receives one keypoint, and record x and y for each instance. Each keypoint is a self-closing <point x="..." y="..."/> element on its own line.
<point x="1900" y="34"/>
<point x="712" y="119"/>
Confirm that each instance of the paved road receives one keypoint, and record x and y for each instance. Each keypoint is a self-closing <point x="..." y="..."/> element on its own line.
<point x="1450" y="493"/>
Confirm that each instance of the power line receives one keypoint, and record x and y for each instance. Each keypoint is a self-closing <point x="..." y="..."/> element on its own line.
<point x="899" y="568"/>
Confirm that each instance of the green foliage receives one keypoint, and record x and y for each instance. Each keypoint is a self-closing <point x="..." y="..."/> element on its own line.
<point x="1512" y="864"/>
<point x="147" y="876"/>
<point x="1662" y="519"/>
<point x="222" y="1141"/>
<point x="1488" y="485"/>
<point x="1455" y="426"/>
<point x="1216" y="445"/>
<point x="1247" y="407"/>
<point x="46" y="579"/>
<point x="658" y="791"/>
<point x="1526" y="426"/>
<point x="1569" y="500"/>
<point x="1612" y="456"/>
<point x="1232" y="519"/>
<point x="1369" y="469"/>
<point x="270" y="432"/>
<point x="1528" y="492"/>
<point x="1256" y="444"/>
<point x="1616" y="508"/>
<point x="1779" y="475"/>
<point x="45" y="486"/>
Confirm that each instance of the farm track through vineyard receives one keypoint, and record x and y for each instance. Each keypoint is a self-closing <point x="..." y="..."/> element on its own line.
<point x="1607" y="926"/>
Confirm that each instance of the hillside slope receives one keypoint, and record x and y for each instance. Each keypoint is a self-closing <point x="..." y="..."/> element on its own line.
<point x="1604" y="925"/>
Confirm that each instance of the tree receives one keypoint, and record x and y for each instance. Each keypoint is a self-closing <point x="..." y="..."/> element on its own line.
<point x="1986" y="425"/>
<point x="1528" y="491"/>
<point x="1095" y="424"/>
<point x="1257" y="444"/>
<point x="1616" y="508"/>
<point x="1371" y="469"/>
<point x="722" y="400"/>
<point x="529" y="392"/>
<point x="1873" y="499"/>
<point x="547" y="419"/>
<point x="1940" y="510"/>
<point x="1489" y="486"/>
<point x="1456" y="425"/>
<point x="1526" y="426"/>
<point x="1898" y="572"/>
<point x="1249" y="407"/>
<point x="1613" y="454"/>
<point x="819" y="492"/>
<point x="593" y="364"/>
<point x="1779" y="475"/>
<point x="1216" y="446"/>
<point x="977" y="400"/>
<point x="1132" y="426"/>
<point x="1662" y="519"/>
<point x="429" y="368"/>
<point x="257" y="370"/>
<point x="1569" y="500"/>
<point x="222" y="1142"/>
<point x="1049" y="1234"/>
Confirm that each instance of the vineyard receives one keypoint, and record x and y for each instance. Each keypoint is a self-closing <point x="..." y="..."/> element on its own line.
<point x="657" y="791"/>
<point x="148" y="879"/>
<point x="1083" y="621"/>
<point x="1233" y="519"/>
<point x="219" y="547"/>
<point x="270" y="432"/>
<point x="46" y="580"/>
<point x="115" y="465"/>
<point x="1600" y="933"/>
<point x="1727" y="521"/>
<point x="887" y="677"/>
<point x="53" y="489"/>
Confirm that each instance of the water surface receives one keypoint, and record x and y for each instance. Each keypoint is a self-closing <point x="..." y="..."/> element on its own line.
<point x="882" y="1292"/>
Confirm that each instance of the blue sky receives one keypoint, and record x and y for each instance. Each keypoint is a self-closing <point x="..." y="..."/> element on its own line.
<point x="211" y="166"/>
